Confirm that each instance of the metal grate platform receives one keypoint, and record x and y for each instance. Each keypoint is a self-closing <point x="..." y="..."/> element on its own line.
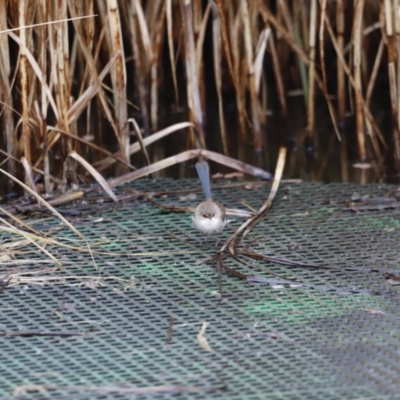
<point x="140" y="300"/>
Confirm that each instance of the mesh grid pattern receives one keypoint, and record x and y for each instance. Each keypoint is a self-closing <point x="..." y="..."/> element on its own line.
<point x="335" y="336"/>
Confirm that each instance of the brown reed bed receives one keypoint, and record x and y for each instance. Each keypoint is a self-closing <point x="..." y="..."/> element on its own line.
<point x="84" y="85"/>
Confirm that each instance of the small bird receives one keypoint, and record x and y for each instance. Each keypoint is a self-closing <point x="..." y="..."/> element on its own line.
<point x="209" y="216"/>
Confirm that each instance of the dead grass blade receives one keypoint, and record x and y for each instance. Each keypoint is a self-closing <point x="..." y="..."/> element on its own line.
<point x="44" y="23"/>
<point x="19" y="232"/>
<point x="186" y="156"/>
<point x="259" y="58"/>
<point x="40" y="200"/>
<point x="135" y="147"/>
<point x="102" y="182"/>
<point x="28" y="174"/>
<point x="140" y="139"/>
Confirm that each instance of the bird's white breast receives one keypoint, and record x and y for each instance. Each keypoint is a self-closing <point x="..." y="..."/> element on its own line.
<point x="209" y="226"/>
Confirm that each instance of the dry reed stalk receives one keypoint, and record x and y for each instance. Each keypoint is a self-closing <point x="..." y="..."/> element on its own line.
<point x="269" y="17"/>
<point x="390" y="25"/>
<point x="260" y="80"/>
<point x="171" y="47"/>
<point x="217" y="58"/>
<point x="60" y="68"/>
<point x="34" y="65"/>
<point x="311" y="73"/>
<point x="85" y="31"/>
<point x="238" y="63"/>
<point x="42" y="112"/>
<point x="341" y="81"/>
<point x="301" y="36"/>
<point x="374" y="131"/>
<point x="370" y="129"/>
<point x="254" y="104"/>
<point x="145" y="60"/>
<point x="357" y="45"/>
<point x="341" y="89"/>
<point x="154" y="68"/>
<point x="200" y="58"/>
<point x="232" y="44"/>
<point x="374" y="72"/>
<point x="321" y="35"/>
<point x="278" y="77"/>
<point x="140" y="63"/>
<point x="118" y="76"/>
<point x="78" y="107"/>
<point x="6" y="94"/>
<point x="225" y="38"/>
<point x="193" y="94"/>
<point x="26" y="132"/>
